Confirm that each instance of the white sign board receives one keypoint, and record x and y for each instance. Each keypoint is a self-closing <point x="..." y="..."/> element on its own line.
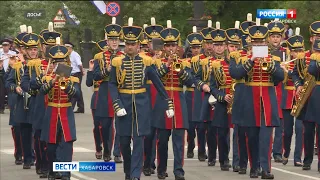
<point x="59" y="20"/>
<point x="260" y="51"/>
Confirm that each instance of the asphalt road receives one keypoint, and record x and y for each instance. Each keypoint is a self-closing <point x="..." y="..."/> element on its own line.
<point x="84" y="151"/>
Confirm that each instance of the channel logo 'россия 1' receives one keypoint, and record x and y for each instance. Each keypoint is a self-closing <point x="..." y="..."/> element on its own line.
<point x="277" y="13"/>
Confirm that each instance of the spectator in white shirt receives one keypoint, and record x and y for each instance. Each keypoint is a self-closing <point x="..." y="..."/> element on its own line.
<point x="4" y="57"/>
<point x="77" y="71"/>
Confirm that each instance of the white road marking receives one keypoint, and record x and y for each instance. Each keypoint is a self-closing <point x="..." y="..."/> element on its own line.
<point x="75" y="150"/>
<point x="293" y="173"/>
<point x="72" y="178"/>
<point x="79" y="175"/>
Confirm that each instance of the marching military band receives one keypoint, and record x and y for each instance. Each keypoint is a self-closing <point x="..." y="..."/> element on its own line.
<point x="150" y="94"/>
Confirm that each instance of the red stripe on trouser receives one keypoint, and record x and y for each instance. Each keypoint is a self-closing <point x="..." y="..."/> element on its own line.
<point x="93" y="128"/>
<point x="270" y="150"/>
<point x="248" y="150"/>
<point x="14" y="140"/>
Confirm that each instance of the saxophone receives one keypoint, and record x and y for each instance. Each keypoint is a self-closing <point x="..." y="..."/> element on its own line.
<point x="309" y="84"/>
<point x="232" y="90"/>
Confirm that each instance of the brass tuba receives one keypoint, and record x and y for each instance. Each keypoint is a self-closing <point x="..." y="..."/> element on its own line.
<point x="309" y="84"/>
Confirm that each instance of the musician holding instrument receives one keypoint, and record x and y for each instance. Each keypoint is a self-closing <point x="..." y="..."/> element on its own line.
<point x="32" y="81"/>
<point x="13" y="97"/>
<point x="128" y="77"/>
<point x="152" y="31"/>
<point x="261" y="114"/>
<point x="174" y="73"/>
<point x="203" y="110"/>
<point x="237" y="115"/>
<point x="30" y="41"/>
<point x="305" y="107"/>
<point x="59" y="123"/>
<point x="287" y="102"/>
<point x="314" y="99"/>
<point x="221" y="87"/>
<point x="194" y="95"/>
<point x="194" y="100"/>
<point x="101" y="72"/>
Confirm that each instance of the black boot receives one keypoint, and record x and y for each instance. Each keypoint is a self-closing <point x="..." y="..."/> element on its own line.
<point x="212" y="163"/>
<point x="18" y="160"/>
<point x="127" y="177"/>
<point x="242" y="171"/>
<point x="277" y="159"/>
<point x="27" y="166"/>
<point x="147" y="171"/>
<point x="266" y="175"/>
<point x="162" y="175"/>
<point x="306" y="167"/>
<point x="236" y="168"/>
<point x="179" y="177"/>
<point x="253" y="173"/>
<point x="201" y="157"/>
<point x="190" y="154"/>
<point x="117" y="159"/>
<point x="107" y="158"/>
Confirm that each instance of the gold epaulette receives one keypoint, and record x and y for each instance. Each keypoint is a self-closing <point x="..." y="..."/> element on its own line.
<point x="301" y="55"/>
<point x="30" y="63"/>
<point x="276" y="58"/>
<point x="157" y="62"/>
<point x="17" y="65"/>
<point x="215" y="64"/>
<point x="195" y="58"/>
<point x="98" y="55"/>
<point x="46" y="78"/>
<point x="235" y="54"/>
<point x="147" y="60"/>
<point x="243" y="59"/>
<point x="315" y="56"/>
<point x="186" y="63"/>
<point x="74" y="79"/>
<point x="117" y="61"/>
<point x="204" y="61"/>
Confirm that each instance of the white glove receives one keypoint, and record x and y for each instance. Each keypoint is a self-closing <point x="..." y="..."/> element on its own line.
<point x="212" y="100"/>
<point x="121" y="112"/>
<point x="170" y="113"/>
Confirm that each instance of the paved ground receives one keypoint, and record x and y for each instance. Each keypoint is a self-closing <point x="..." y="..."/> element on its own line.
<point x="84" y="151"/>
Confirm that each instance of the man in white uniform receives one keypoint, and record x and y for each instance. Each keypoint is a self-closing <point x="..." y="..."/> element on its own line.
<point x="77" y="71"/>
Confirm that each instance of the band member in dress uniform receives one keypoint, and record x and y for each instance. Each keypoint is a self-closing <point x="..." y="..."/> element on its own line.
<point x="238" y="98"/>
<point x="202" y="114"/>
<point x="286" y="102"/>
<point x="276" y="29"/>
<point x="152" y="31"/>
<point x="37" y="68"/>
<point x="12" y="98"/>
<point x="220" y="84"/>
<point x="97" y="125"/>
<point x="59" y="124"/>
<point x="130" y="99"/>
<point x="174" y="73"/>
<point x="300" y="76"/>
<point x="261" y="74"/>
<point x="233" y="37"/>
<point x="22" y="112"/>
<point x="313" y="101"/>
<point x="194" y="99"/>
<point x="101" y="73"/>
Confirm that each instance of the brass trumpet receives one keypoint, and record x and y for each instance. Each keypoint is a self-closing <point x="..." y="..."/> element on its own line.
<point x="62" y="84"/>
<point x="176" y="65"/>
<point x="264" y="64"/>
